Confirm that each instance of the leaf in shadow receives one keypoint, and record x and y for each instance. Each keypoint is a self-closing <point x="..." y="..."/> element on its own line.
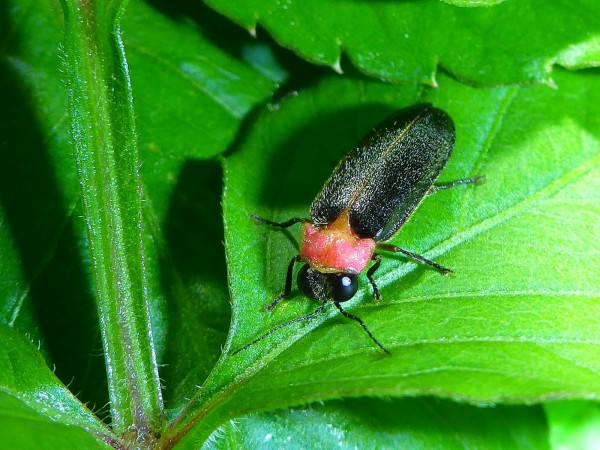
<point x="45" y="290"/>
<point x="196" y="311"/>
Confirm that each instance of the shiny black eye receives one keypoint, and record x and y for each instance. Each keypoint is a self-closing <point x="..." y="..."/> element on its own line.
<point x="344" y="287"/>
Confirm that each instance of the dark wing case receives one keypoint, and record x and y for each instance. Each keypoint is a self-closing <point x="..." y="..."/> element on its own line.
<point x="384" y="179"/>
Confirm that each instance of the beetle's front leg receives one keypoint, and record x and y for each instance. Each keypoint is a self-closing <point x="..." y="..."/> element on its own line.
<point x="288" y="284"/>
<point x="371" y="272"/>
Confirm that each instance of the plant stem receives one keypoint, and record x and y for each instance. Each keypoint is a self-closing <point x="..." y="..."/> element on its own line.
<point x="102" y="121"/>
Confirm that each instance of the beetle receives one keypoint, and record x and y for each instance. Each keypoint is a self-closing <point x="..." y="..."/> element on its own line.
<point x="370" y="195"/>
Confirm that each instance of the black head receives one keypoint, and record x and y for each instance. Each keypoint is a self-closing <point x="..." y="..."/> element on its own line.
<point x="338" y="287"/>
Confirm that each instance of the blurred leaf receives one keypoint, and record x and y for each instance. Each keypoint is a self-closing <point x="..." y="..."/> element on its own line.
<point x="514" y="42"/>
<point x="193" y="317"/>
<point x="574" y="425"/>
<point x="395" y="423"/>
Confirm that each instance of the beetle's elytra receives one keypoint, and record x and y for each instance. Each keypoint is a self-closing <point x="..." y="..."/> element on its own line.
<point x="370" y="195"/>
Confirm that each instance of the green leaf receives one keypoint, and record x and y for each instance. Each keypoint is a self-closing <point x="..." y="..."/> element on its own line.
<point x="33" y="402"/>
<point x="574" y="425"/>
<point x="24" y="429"/>
<point x="514" y="42"/>
<point x="193" y="315"/>
<point x="374" y="423"/>
<point x="190" y="95"/>
<point x="509" y="327"/>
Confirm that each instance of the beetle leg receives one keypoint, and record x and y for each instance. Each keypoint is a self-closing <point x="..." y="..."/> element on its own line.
<point x="287" y="223"/>
<point x="362" y="324"/>
<point x="371" y="271"/>
<point x="443" y="186"/>
<point x="392" y="248"/>
<point x="288" y="284"/>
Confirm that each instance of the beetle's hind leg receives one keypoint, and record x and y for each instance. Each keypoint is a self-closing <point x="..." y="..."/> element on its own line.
<point x="416" y="257"/>
<point x="288" y="284"/>
<point x="450" y="184"/>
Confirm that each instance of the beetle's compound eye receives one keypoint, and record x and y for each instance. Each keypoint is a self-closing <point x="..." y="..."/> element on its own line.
<point x="344" y="286"/>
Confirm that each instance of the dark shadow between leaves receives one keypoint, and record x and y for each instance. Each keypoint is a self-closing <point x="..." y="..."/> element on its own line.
<point x="58" y="308"/>
<point x="194" y="276"/>
<point x="213" y="25"/>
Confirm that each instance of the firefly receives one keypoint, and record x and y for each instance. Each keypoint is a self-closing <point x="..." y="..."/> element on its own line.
<point x="372" y="192"/>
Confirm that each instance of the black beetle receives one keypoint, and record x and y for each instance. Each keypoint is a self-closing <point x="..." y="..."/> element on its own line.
<point x="370" y="195"/>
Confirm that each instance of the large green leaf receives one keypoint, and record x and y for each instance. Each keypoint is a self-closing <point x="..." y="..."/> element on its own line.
<point x="409" y="41"/>
<point x="518" y="322"/>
